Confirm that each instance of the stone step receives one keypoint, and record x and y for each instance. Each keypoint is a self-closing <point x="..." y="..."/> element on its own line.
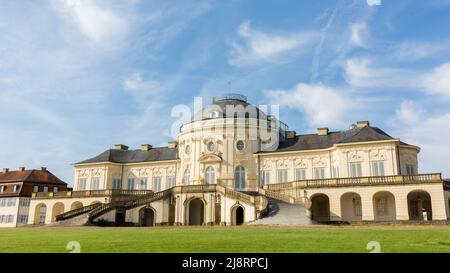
<point x="281" y="213"/>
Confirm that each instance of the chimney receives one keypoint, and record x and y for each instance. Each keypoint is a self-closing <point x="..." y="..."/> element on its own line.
<point x="322" y="131"/>
<point x="173" y="144"/>
<point x="5" y="170"/>
<point x="121" y="147"/>
<point x="146" y="147"/>
<point x="361" y="124"/>
<point x="22" y="169"/>
<point x="290" y="134"/>
<point x="44" y="169"/>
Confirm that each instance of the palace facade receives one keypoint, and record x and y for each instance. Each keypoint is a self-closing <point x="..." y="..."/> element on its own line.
<point x="233" y="164"/>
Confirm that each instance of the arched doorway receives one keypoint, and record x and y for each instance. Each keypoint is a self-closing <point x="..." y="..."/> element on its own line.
<point x="351" y="209"/>
<point x="320" y="208"/>
<point x="196" y="212"/>
<point x="419" y="206"/>
<point x="237" y="217"/>
<point x="58" y="208"/>
<point x="40" y="213"/>
<point x="76" y="205"/>
<point x="147" y="217"/>
<point x="384" y="206"/>
<point x="239" y="178"/>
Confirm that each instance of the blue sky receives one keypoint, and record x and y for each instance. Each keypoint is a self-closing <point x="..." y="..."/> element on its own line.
<point x="78" y="76"/>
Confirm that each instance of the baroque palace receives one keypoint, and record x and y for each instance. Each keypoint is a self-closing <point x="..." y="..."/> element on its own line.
<point x="234" y="164"/>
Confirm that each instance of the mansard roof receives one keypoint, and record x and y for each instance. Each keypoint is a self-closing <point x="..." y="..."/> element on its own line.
<point x="134" y="156"/>
<point x="315" y="141"/>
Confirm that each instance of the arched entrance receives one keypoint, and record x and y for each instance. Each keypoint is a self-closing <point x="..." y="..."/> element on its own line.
<point x="147" y="217"/>
<point x="351" y="209"/>
<point x="196" y="212"/>
<point x="40" y="213"/>
<point x="320" y="208"/>
<point x="384" y="206"/>
<point x="76" y="205"/>
<point x="57" y="209"/>
<point x="237" y="216"/>
<point x="419" y="206"/>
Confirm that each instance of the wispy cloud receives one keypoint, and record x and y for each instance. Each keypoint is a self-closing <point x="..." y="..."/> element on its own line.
<point x="98" y="23"/>
<point x="358" y="32"/>
<point x="413" y="51"/>
<point x="373" y="2"/>
<point x="257" y="46"/>
<point x="360" y="72"/>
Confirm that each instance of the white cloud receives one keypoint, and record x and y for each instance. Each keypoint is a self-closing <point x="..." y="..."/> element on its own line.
<point x="416" y="126"/>
<point x="322" y="105"/>
<point x="374" y="2"/>
<point x="358" y="33"/>
<point x="412" y="51"/>
<point x="141" y="87"/>
<point x="259" y="46"/>
<point x="438" y="81"/>
<point x="359" y="72"/>
<point x="97" y="23"/>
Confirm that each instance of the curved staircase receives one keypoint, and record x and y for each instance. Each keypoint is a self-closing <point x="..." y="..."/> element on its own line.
<point x="283" y="210"/>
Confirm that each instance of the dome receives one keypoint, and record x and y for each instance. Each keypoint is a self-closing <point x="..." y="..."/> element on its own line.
<point x="236" y="103"/>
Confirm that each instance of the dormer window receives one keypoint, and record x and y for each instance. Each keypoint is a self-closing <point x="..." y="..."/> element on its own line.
<point x="2" y="188"/>
<point x="214" y="114"/>
<point x="15" y="188"/>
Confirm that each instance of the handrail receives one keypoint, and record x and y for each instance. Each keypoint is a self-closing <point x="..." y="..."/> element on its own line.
<point x="75" y="212"/>
<point x="351" y="181"/>
<point x="90" y="193"/>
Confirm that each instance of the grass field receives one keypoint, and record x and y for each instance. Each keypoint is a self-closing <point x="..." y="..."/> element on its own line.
<point x="228" y="239"/>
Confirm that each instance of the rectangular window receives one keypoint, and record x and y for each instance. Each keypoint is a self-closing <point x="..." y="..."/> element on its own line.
<point x="378" y="168"/>
<point x="2" y="188"/>
<point x="143" y="184"/>
<point x="409" y="169"/>
<point x="11" y="202"/>
<point x="22" y="219"/>
<point x="319" y="173"/>
<point x="24" y="202"/>
<point x="15" y="188"/>
<point x="45" y="188"/>
<point x="130" y="184"/>
<point x="35" y="188"/>
<point x="2" y="202"/>
<point x="157" y="183"/>
<point x="265" y="177"/>
<point x="282" y="176"/>
<point x="335" y="172"/>
<point x="82" y="184"/>
<point x="170" y="181"/>
<point x="300" y="174"/>
<point x="55" y="189"/>
<point x="95" y="184"/>
<point x="355" y="169"/>
<point x="117" y="184"/>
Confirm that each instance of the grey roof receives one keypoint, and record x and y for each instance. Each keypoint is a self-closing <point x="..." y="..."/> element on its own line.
<point x="134" y="156"/>
<point x="314" y="141"/>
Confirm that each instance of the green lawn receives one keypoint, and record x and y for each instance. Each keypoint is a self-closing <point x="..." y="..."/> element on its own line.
<point x="398" y="238"/>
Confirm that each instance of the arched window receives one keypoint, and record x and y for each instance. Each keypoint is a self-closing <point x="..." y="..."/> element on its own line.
<point x="210" y="175"/>
<point x="239" y="178"/>
<point x="186" y="177"/>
